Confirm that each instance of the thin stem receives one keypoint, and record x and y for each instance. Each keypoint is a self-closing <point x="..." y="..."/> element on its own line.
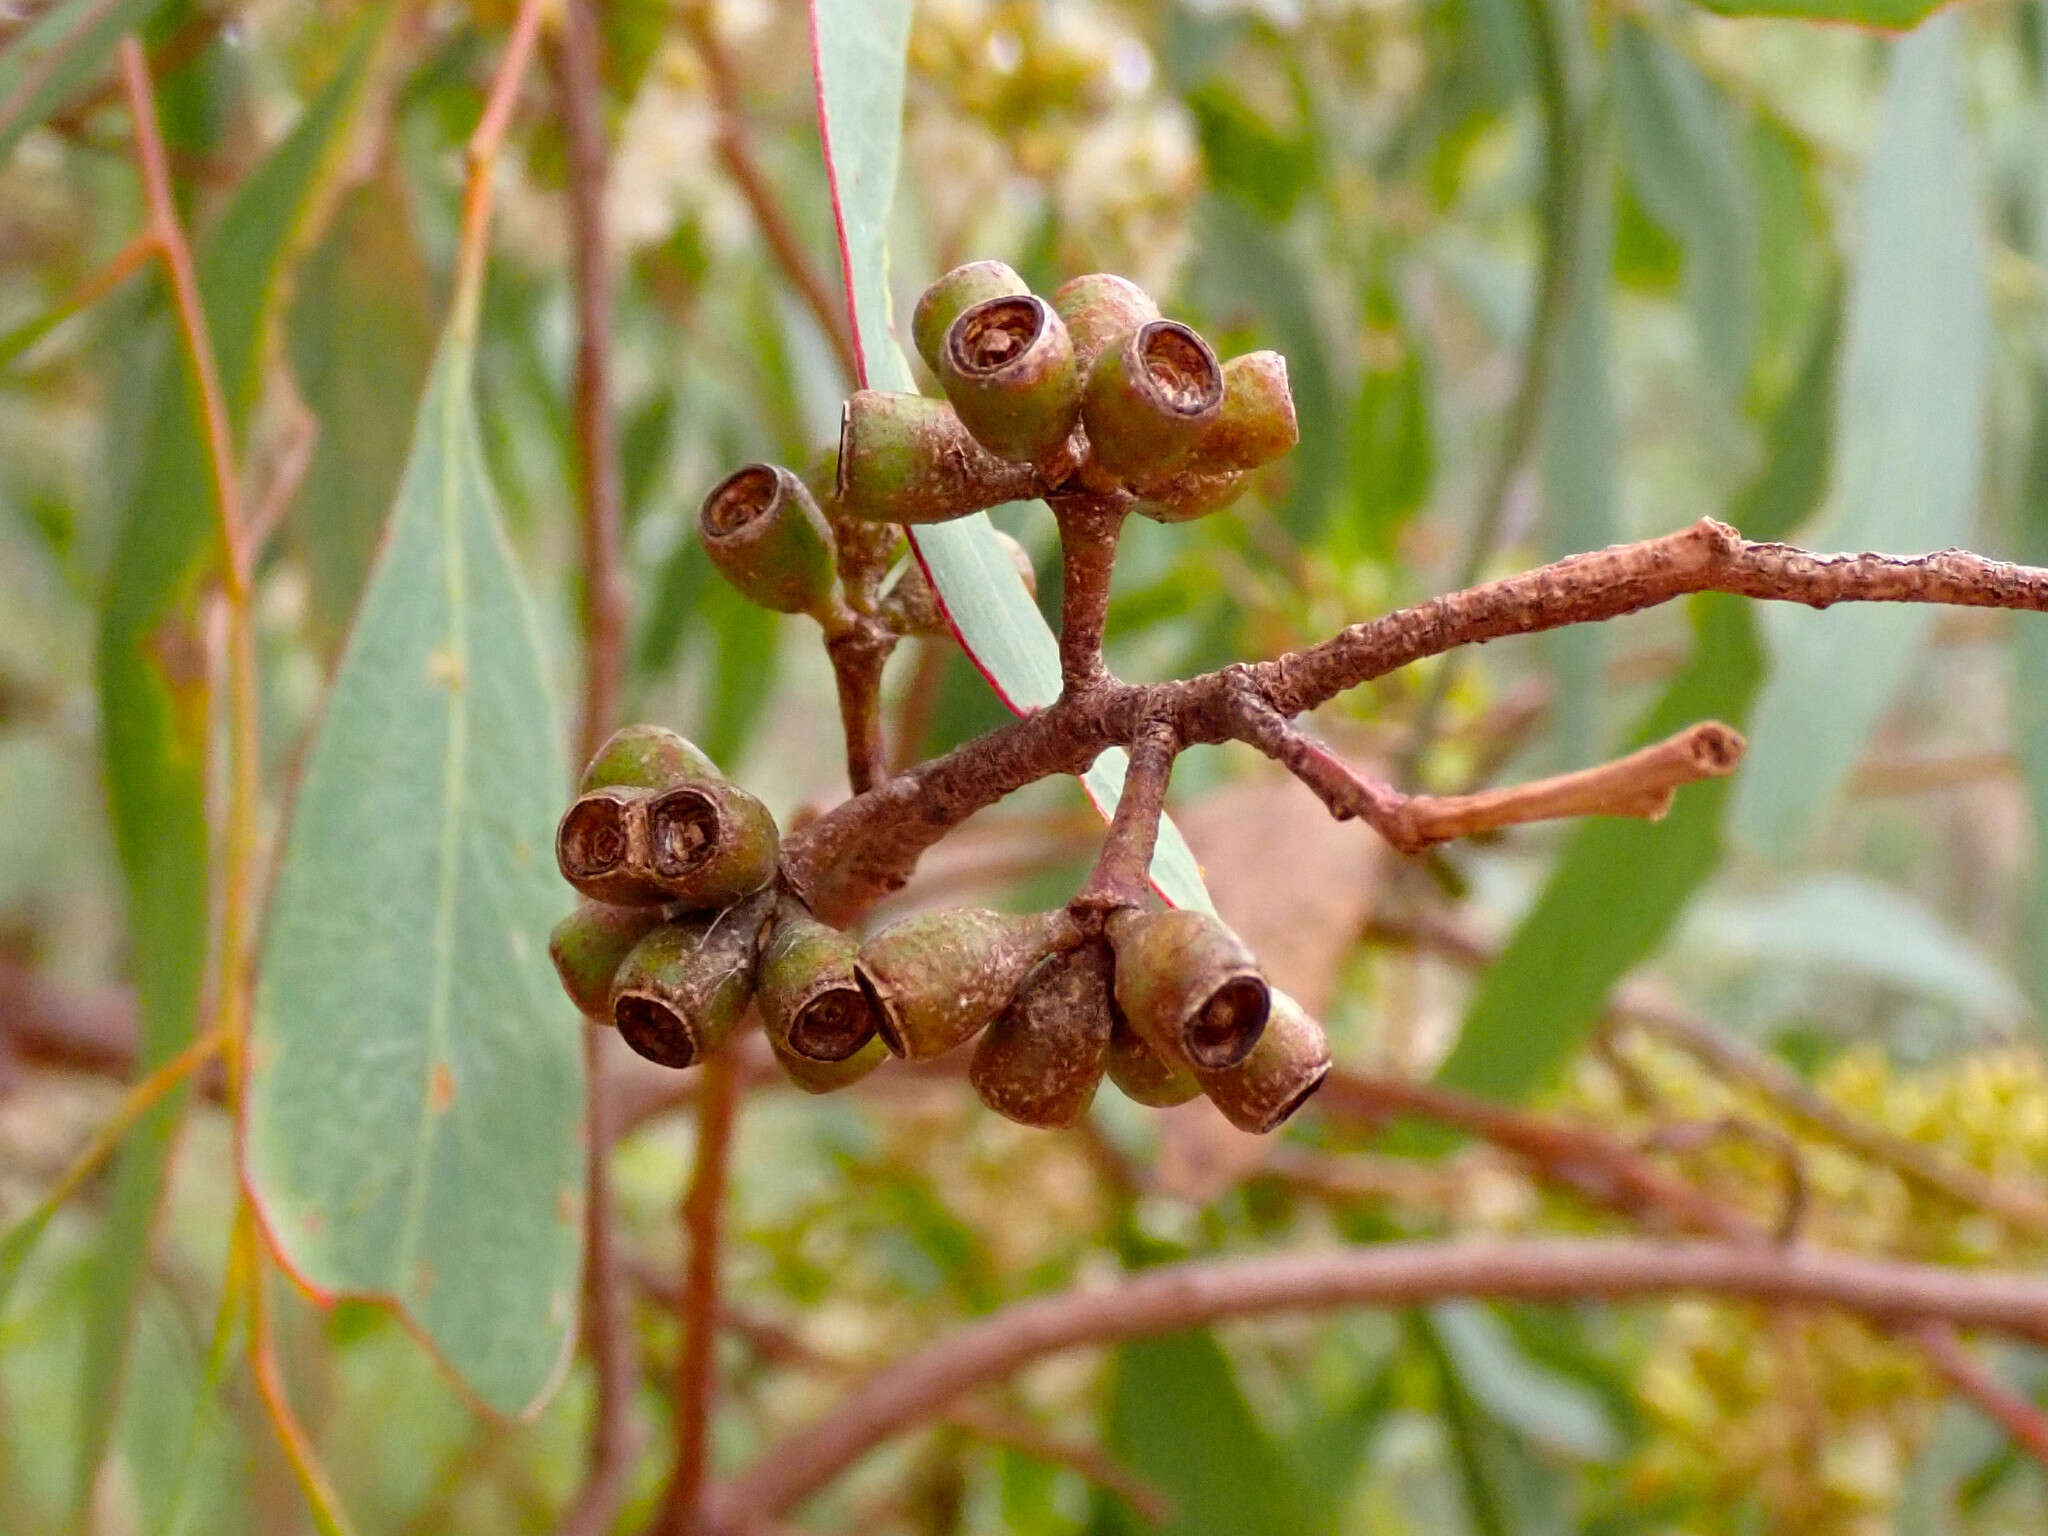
<point x="615" y="1436"/>
<point x="1089" y="529"/>
<point x="481" y="154"/>
<point x="736" y="154"/>
<point x="702" y="1212"/>
<point x="1119" y="878"/>
<point x="1189" y="1295"/>
<point x="329" y="1518"/>
<point x="859" y="652"/>
<point x="125" y="263"/>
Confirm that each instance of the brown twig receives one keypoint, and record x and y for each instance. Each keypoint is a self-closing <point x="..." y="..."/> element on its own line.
<point x="1690" y="1135"/>
<point x="1195" y="1294"/>
<point x="862" y="850"/>
<point x="858" y="652"/>
<point x="703" y="1211"/>
<point x="1120" y="873"/>
<point x="1092" y="1462"/>
<point x="615" y="1436"/>
<point x="1089" y="529"/>
<point x="736" y="154"/>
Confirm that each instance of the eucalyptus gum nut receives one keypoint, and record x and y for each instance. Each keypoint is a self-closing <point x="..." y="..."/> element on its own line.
<point x="827" y="1076"/>
<point x="1041" y="1060"/>
<point x="1283" y="1071"/>
<point x="683" y="990"/>
<point x="1183" y="497"/>
<point x="1144" y="1076"/>
<point x="767" y="537"/>
<point x="1149" y="398"/>
<point x="1008" y="367"/>
<point x="909" y="459"/>
<point x="1099" y="308"/>
<point x="939" y="978"/>
<point x="959" y="290"/>
<point x="1189" y="986"/>
<point x="588" y="947"/>
<point x="646" y="757"/>
<point x="812" y="1003"/>
<point x="601" y="847"/>
<point x="709" y="843"/>
<point x="1256" y="423"/>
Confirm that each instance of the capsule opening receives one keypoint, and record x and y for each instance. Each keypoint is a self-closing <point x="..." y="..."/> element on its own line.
<point x="593" y="838"/>
<point x="1295" y="1100"/>
<point x="834" y="1025"/>
<point x="683" y="830"/>
<point x="741" y="498"/>
<point x="655" y="1030"/>
<point x="886" y="1024"/>
<point x="995" y="333"/>
<point x="1181" y="367"/>
<point x="1226" y="1027"/>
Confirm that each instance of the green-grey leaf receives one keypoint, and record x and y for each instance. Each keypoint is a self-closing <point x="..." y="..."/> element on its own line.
<point x="859" y="54"/>
<point x="49" y="61"/>
<point x="1885" y="15"/>
<point x="1910" y="443"/>
<point x="1685" y="157"/>
<point x="152" y="686"/>
<point x="415" y="1082"/>
<point x="1521" y="1392"/>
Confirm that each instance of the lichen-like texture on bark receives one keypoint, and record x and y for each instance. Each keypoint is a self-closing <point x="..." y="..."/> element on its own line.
<point x="416" y="1081"/>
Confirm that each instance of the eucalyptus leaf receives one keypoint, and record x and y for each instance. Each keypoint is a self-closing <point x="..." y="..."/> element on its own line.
<point x="416" y="1084"/>
<point x="55" y="57"/>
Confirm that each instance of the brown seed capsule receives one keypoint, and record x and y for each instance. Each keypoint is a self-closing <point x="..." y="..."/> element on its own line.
<point x="1040" y="1061"/>
<point x="1256" y="424"/>
<point x="828" y="1076"/>
<point x="910" y="607"/>
<point x="908" y="459"/>
<point x="601" y="847"/>
<point x="811" y="1000"/>
<point x="940" y="977"/>
<point x="1149" y="398"/>
<point x="1008" y="367"/>
<point x="1189" y="986"/>
<point x="767" y="537"/>
<point x="1099" y="308"/>
<point x="1188" y="494"/>
<point x="588" y="947"/>
<point x="1284" y="1069"/>
<point x="709" y="843"/>
<point x="1143" y="1075"/>
<point x="646" y="757"/>
<point x="684" y="989"/>
<point x="958" y="291"/>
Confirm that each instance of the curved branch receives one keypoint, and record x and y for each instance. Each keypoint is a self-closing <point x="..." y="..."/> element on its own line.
<point x="866" y="848"/>
<point x="1192" y="1295"/>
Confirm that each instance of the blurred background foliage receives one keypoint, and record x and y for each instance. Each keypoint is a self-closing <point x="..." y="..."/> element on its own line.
<point x="1548" y="274"/>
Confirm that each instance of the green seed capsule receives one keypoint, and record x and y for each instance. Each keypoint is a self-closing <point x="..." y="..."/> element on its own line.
<point x="709" y="843"/>
<point x="1143" y="1075"/>
<point x="1039" y="1063"/>
<point x="588" y="947"/>
<point x="960" y="289"/>
<point x="908" y="459"/>
<point x="601" y="847"/>
<point x="1189" y="986"/>
<point x="1099" y="308"/>
<point x="1008" y="367"/>
<point x="1256" y="424"/>
<point x="684" y="989"/>
<point x="1189" y="494"/>
<point x="1149" y="398"/>
<point x="646" y="757"/>
<point x="811" y="999"/>
<point x="1284" y="1069"/>
<point x="940" y="977"/>
<point x="828" y="1076"/>
<point x="767" y="537"/>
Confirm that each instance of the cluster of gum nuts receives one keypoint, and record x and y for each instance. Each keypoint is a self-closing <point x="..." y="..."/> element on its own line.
<point x="686" y="932"/>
